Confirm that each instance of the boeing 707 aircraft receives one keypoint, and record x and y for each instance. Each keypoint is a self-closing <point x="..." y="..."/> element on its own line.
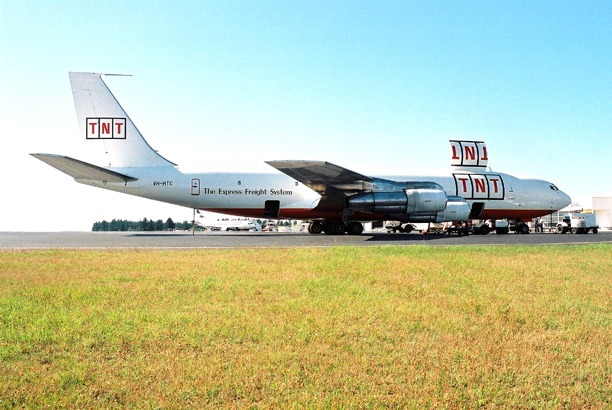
<point x="335" y="199"/>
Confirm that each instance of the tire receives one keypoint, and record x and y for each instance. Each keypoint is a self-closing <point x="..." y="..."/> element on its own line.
<point x="484" y="229"/>
<point x="408" y="228"/>
<point x="574" y="231"/>
<point x="595" y="230"/>
<point x="559" y="229"/>
<point x="523" y="229"/>
<point x="335" y="228"/>
<point x="315" y="228"/>
<point x="354" y="228"/>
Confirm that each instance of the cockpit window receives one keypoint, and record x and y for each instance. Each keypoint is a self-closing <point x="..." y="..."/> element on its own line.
<point x="554" y="188"/>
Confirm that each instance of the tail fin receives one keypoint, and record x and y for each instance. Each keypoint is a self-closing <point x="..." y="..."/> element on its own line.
<point x="103" y="122"/>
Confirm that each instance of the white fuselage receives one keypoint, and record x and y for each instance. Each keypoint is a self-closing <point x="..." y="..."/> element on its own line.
<point x="245" y="194"/>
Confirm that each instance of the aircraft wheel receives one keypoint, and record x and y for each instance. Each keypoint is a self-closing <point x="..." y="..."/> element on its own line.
<point x="354" y="228"/>
<point x="335" y="228"/>
<point x="315" y="228"/>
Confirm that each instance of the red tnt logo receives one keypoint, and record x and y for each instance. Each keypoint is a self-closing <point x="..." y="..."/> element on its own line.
<point x="479" y="186"/>
<point x="105" y="128"/>
<point x="468" y="153"/>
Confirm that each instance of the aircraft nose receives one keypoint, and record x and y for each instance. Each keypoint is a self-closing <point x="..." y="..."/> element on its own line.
<point x="563" y="200"/>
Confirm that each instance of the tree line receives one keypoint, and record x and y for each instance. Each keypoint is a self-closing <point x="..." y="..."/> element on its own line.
<point x="147" y="225"/>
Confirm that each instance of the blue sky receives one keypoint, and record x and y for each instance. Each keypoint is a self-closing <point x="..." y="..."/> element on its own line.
<point x="377" y="87"/>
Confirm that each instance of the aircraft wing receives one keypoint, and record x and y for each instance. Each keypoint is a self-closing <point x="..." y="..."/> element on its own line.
<point x="323" y="177"/>
<point x="80" y="170"/>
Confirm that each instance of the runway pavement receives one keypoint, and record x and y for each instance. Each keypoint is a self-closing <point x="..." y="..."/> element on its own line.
<point x="216" y="240"/>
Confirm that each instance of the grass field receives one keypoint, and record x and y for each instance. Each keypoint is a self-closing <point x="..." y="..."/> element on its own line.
<point x="382" y="327"/>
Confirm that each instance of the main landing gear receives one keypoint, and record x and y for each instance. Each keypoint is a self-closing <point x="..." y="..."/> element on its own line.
<point x="335" y="228"/>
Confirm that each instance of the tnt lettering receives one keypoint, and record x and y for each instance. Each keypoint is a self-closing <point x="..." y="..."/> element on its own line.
<point x="470" y="153"/>
<point x="479" y="186"/>
<point x="455" y="156"/>
<point x="496" y="187"/>
<point x="464" y="187"/>
<point x="105" y="128"/>
<point x="456" y="153"/>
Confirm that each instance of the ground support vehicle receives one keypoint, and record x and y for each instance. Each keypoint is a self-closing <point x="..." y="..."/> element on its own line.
<point x="501" y="226"/>
<point x="435" y="228"/>
<point x="577" y="222"/>
<point x="396" y="226"/>
<point x="459" y="228"/>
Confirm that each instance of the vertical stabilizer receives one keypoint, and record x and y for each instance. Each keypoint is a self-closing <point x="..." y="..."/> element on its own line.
<point x="104" y="125"/>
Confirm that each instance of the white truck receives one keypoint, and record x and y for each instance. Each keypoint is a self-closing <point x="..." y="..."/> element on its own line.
<point x="577" y="222"/>
<point x="396" y="226"/>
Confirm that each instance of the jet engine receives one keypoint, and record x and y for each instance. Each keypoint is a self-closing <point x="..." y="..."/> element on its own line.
<point x="412" y="205"/>
<point x="456" y="210"/>
<point x="408" y="201"/>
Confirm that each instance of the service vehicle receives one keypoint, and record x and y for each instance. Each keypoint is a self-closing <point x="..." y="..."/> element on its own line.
<point x="577" y="222"/>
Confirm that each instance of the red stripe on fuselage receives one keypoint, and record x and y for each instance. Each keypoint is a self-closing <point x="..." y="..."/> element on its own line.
<point x="294" y="213"/>
<point x="518" y="214"/>
<point x="305" y="213"/>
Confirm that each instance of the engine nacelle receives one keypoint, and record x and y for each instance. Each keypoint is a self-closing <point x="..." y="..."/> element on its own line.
<point x="456" y="210"/>
<point x="399" y="202"/>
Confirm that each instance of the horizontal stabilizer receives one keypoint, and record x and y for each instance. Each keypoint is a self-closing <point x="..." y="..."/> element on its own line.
<point x="80" y="170"/>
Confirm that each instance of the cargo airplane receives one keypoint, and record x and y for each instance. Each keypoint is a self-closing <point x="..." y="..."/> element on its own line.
<point x="336" y="200"/>
<point x="228" y="223"/>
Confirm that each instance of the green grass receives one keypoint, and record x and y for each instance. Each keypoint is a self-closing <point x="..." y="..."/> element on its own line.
<point x="382" y="327"/>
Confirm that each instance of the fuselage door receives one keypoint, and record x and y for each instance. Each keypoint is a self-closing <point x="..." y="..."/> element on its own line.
<point x="272" y="209"/>
<point x="476" y="210"/>
<point x="195" y="186"/>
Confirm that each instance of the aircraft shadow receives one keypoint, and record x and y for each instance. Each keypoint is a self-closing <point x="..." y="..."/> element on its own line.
<point x="403" y="237"/>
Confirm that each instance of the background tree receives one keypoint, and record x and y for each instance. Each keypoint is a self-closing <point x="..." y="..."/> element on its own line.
<point x="169" y="225"/>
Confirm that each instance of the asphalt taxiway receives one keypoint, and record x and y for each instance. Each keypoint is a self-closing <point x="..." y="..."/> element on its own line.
<point x="217" y="240"/>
